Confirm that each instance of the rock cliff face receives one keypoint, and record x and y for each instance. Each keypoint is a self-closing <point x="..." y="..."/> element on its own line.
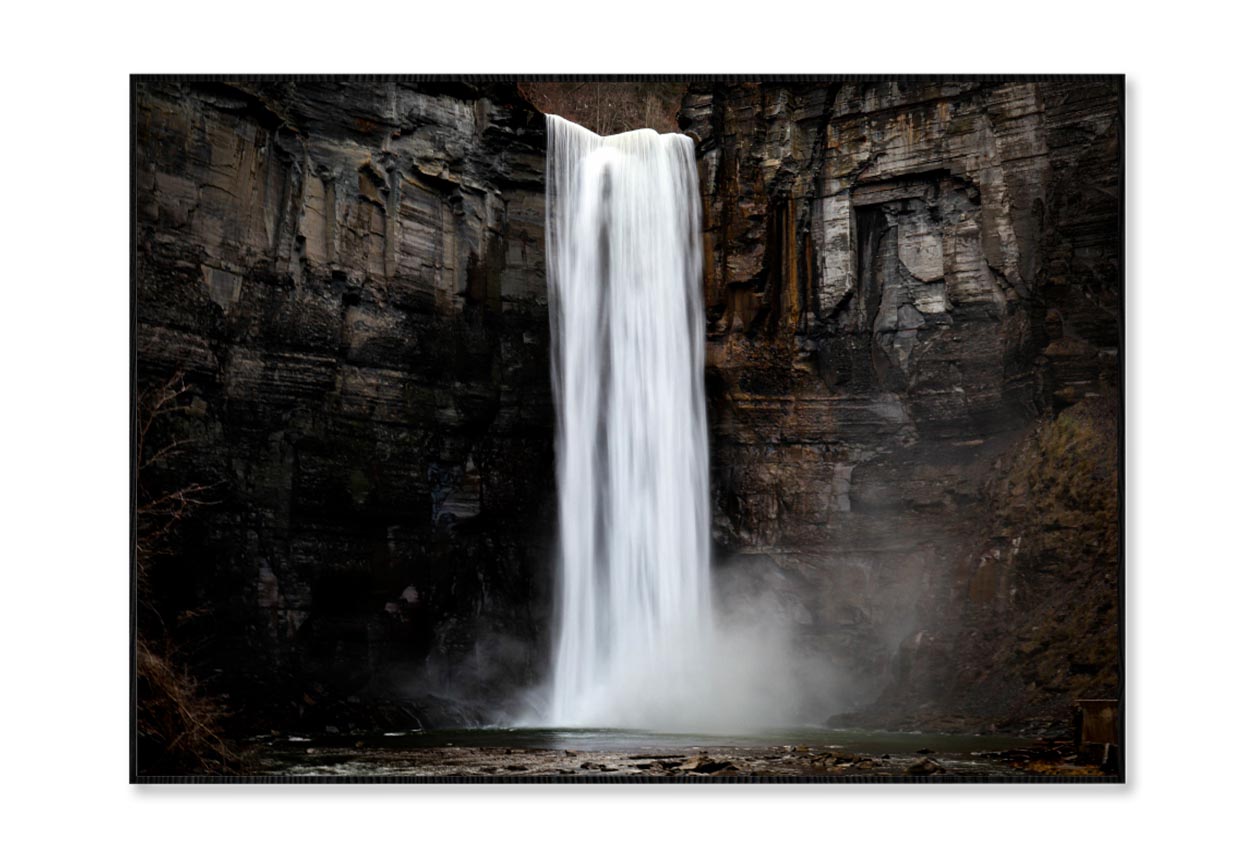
<point x="906" y="285"/>
<point x="913" y="304"/>
<point x="350" y="277"/>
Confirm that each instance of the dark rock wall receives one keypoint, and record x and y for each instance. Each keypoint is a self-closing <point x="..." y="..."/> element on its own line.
<point x="351" y="278"/>
<point x="905" y="283"/>
<point x="913" y="313"/>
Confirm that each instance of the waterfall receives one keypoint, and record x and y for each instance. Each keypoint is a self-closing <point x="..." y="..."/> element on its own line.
<point x="627" y="317"/>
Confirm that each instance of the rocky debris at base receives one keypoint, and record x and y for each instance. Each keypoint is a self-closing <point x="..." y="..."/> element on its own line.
<point x="282" y="758"/>
<point x="1049" y="758"/>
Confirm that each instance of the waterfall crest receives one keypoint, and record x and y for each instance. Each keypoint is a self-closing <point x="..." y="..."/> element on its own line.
<point x="627" y="317"/>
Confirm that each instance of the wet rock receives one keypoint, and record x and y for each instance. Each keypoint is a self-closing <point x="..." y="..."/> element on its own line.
<point x="926" y="767"/>
<point x="705" y="764"/>
<point x="832" y="759"/>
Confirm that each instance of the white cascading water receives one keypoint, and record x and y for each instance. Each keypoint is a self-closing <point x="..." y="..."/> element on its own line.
<point x="627" y="317"/>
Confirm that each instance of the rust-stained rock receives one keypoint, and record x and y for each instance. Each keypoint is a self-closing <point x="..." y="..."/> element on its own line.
<point x="904" y="282"/>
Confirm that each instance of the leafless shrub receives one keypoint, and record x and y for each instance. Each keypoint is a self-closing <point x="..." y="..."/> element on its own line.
<point x="158" y="511"/>
<point x="179" y="729"/>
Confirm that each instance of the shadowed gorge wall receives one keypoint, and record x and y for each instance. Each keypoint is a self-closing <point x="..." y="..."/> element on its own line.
<point x="351" y="278"/>
<point x="913" y="307"/>
<point x="907" y="286"/>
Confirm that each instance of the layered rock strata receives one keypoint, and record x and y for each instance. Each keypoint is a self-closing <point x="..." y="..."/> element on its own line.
<point x="913" y="311"/>
<point x="350" y="278"/>
<point x="903" y="282"/>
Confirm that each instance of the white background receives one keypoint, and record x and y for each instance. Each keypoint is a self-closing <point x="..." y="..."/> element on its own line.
<point x="65" y="290"/>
